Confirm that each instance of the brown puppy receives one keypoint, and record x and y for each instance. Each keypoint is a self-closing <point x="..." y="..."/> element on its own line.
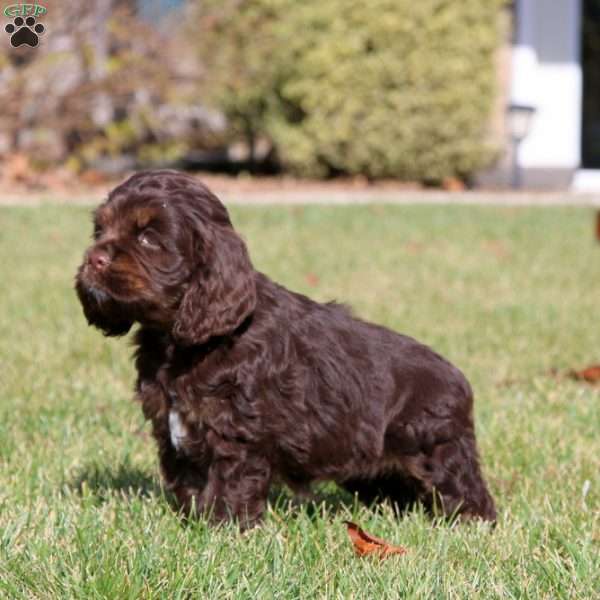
<point x="246" y="382"/>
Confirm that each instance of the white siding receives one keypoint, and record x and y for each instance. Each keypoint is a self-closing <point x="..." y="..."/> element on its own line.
<point x="547" y="74"/>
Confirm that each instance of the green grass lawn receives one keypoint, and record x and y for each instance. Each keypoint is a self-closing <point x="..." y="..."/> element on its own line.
<point x="510" y="295"/>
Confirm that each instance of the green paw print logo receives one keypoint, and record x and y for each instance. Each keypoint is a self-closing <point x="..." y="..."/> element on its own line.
<point x="24" y="29"/>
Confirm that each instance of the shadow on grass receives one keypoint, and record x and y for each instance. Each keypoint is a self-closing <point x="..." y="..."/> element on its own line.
<point x="324" y="501"/>
<point x="327" y="499"/>
<point x="125" y="480"/>
<point x="103" y="482"/>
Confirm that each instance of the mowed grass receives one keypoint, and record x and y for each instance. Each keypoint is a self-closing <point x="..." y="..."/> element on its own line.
<point x="510" y="295"/>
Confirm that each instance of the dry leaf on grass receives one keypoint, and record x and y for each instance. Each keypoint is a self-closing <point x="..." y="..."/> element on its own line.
<point x="590" y="374"/>
<point x="312" y="279"/>
<point x="16" y="167"/>
<point x="453" y="184"/>
<point x="366" y="544"/>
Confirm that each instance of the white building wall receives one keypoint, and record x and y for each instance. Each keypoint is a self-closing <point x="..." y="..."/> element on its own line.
<point x="547" y="74"/>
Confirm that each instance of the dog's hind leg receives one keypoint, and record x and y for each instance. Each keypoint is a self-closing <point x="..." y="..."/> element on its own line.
<point x="451" y="479"/>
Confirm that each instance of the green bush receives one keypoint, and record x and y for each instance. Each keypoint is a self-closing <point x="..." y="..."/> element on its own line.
<point x="383" y="88"/>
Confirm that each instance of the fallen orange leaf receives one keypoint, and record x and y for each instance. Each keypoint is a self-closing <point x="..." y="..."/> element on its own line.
<point x="453" y="184"/>
<point x="366" y="544"/>
<point x="589" y="374"/>
<point x="312" y="279"/>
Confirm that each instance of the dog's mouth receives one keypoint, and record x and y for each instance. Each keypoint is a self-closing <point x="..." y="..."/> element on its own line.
<point x="98" y="295"/>
<point x="89" y="284"/>
<point x="103" y="288"/>
<point x="111" y="302"/>
<point x="94" y="293"/>
<point x="102" y="309"/>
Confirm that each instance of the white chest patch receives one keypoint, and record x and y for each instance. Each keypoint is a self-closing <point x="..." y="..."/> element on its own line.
<point x="177" y="430"/>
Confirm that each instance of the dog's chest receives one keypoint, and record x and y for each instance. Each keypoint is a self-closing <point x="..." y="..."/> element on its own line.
<point x="184" y="403"/>
<point x="178" y="431"/>
<point x="189" y="418"/>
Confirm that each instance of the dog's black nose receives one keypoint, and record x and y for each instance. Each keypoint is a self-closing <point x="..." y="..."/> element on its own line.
<point x="98" y="259"/>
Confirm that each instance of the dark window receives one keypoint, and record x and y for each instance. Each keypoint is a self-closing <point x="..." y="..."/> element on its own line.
<point x="590" y="138"/>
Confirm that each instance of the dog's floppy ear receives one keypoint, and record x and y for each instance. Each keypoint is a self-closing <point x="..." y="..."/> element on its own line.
<point x="221" y="293"/>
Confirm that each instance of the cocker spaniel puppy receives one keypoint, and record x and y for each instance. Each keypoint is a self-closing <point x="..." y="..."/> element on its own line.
<point x="246" y="382"/>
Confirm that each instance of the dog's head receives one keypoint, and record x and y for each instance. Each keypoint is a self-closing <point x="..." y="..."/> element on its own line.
<point x="166" y="255"/>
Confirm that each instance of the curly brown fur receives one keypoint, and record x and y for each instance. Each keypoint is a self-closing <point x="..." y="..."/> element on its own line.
<point x="246" y="382"/>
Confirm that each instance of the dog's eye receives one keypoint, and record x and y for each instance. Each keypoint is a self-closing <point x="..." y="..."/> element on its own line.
<point x="148" y="239"/>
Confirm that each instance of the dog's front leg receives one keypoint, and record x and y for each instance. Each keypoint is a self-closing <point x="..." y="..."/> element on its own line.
<point x="236" y="488"/>
<point x="183" y="477"/>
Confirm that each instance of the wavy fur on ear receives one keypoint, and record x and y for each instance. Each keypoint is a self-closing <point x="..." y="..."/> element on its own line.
<point x="221" y="294"/>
